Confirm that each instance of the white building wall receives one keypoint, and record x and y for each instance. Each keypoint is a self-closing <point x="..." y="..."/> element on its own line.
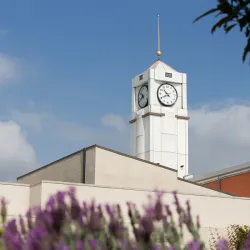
<point x="161" y="139"/>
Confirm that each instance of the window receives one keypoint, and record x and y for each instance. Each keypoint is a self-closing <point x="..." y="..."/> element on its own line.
<point x="168" y="75"/>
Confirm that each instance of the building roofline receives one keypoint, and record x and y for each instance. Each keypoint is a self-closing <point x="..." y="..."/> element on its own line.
<point x="197" y="184"/>
<point x="133" y="157"/>
<point x="122" y="154"/>
<point x="87" y="148"/>
<point x="237" y="169"/>
<point x="49" y="164"/>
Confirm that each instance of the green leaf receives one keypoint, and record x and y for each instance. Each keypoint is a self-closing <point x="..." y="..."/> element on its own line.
<point x="225" y="7"/>
<point x="219" y="24"/>
<point x="246" y="50"/>
<point x="242" y="22"/>
<point x="228" y="28"/>
<point x="205" y="14"/>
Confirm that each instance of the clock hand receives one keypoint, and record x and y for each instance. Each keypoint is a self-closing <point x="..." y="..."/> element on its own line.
<point x="166" y="92"/>
<point x="165" y="95"/>
<point x="141" y="97"/>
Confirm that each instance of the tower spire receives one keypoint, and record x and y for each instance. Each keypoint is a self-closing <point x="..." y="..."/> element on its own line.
<point x="158" y="53"/>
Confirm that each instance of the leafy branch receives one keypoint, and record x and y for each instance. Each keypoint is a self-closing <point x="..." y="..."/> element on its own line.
<point x="233" y="13"/>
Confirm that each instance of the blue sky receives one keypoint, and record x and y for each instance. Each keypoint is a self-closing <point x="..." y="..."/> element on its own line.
<point x="71" y="64"/>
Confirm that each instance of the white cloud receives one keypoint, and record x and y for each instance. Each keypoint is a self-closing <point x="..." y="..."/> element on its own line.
<point x="51" y="129"/>
<point x="9" y="69"/>
<point x="219" y="137"/>
<point x="17" y="156"/>
<point x="115" y="121"/>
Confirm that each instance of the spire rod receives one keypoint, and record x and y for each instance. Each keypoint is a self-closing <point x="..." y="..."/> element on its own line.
<point x="158" y="53"/>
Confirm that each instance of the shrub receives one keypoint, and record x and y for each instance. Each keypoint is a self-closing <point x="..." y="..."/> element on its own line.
<point x="65" y="224"/>
<point x="237" y="236"/>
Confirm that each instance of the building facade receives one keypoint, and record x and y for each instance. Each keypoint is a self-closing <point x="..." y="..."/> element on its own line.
<point x="234" y="180"/>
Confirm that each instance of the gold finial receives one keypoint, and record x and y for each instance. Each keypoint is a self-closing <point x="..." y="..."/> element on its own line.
<point x="158" y="53"/>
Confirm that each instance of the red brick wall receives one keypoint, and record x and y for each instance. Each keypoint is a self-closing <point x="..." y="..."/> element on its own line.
<point x="213" y="185"/>
<point x="238" y="185"/>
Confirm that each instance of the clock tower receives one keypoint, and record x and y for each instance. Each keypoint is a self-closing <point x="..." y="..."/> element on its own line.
<point x="159" y="125"/>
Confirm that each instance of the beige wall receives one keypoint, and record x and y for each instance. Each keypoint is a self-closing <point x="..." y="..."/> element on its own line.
<point x="66" y="169"/>
<point x="215" y="212"/>
<point x="116" y="170"/>
<point x="17" y="196"/>
<point x="109" y="168"/>
<point x="90" y="162"/>
<point x="35" y="195"/>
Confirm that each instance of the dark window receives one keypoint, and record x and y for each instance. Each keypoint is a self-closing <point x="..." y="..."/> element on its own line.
<point x="168" y="75"/>
<point x="141" y="77"/>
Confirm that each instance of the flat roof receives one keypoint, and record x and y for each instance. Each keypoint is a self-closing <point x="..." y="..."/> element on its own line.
<point x="98" y="146"/>
<point x="222" y="172"/>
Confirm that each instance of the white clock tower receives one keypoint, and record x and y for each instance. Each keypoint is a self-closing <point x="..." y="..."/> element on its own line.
<point x="160" y="117"/>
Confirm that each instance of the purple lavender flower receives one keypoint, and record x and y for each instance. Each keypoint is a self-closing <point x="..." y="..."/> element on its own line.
<point x="147" y="224"/>
<point x="118" y="207"/>
<point x="51" y="203"/>
<point x="22" y="225"/>
<point x="247" y="242"/>
<point x="60" y="197"/>
<point x="58" y="217"/>
<point x="222" y="245"/>
<point x="149" y="211"/>
<point x="35" y="239"/>
<point x="75" y="209"/>
<point x="156" y="247"/>
<point x="115" y="227"/>
<point x="79" y="245"/>
<point x="92" y="206"/>
<point x="193" y="245"/>
<point x="12" y="227"/>
<point x="168" y="210"/>
<point x="52" y="229"/>
<point x="72" y="192"/>
<point x="95" y="222"/>
<point x="29" y="219"/>
<point x="129" y="204"/>
<point x="109" y="210"/>
<point x="99" y="208"/>
<point x="93" y="244"/>
<point x="12" y="241"/>
<point x="180" y="222"/>
<point x="158" y="210"/>
<point x="63" y="247"/>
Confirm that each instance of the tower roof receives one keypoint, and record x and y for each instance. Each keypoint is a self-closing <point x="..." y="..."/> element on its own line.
<point x="160" y="64"/>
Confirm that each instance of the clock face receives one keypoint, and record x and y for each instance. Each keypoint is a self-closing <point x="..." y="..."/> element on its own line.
<point x="167" y="94"/>
<point x="143" y="96"/>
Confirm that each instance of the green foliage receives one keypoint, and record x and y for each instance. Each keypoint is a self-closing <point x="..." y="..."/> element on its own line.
<point x="214" y="238"/>
<point x="232" y="13"/>
<point x="237" y="236"/>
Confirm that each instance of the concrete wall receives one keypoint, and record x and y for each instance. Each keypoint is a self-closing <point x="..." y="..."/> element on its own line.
<point x="216" y="212"/>
<point x="110" y="168"/>
<point x="68" y="169"/>
<point x="117" y="170"/>
<point x="17" y="196"/>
